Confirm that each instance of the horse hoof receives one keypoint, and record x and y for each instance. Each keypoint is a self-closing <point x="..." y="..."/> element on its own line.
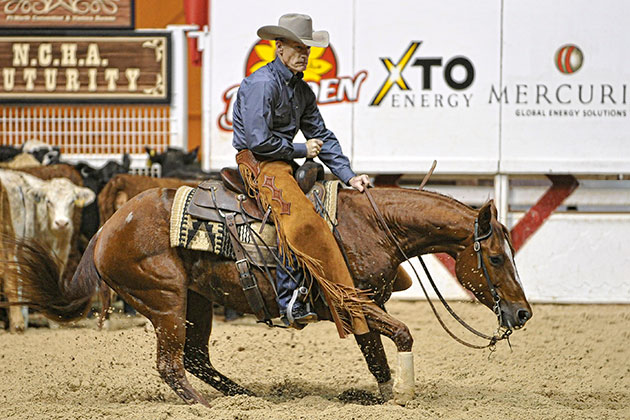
<point x="387" y="390"/>
<point x="17" y="328"/>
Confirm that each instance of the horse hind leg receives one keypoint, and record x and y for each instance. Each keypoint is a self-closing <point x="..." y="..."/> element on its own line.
<point x="170" y="330"/>
<point x="196" y="355"/>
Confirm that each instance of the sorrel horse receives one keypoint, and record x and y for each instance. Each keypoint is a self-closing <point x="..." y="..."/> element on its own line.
<point x="175" y="288"/>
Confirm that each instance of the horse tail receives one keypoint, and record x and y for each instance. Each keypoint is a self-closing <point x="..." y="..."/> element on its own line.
<point x="43" y="287"/>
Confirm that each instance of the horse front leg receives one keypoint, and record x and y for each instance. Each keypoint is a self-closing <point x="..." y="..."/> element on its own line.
<point x="372" y="348"/>
<point x="402" y="388"/>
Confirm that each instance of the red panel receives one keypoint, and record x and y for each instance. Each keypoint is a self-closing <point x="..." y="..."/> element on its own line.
<point x="196" y="14"/>
<point x="562" y="187"/>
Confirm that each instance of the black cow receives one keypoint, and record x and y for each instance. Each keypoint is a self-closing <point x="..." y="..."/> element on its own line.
<point x="176" y="163"/>
<point x="44" y="153"/>
<point x="95" y="179"/>
<point x="8" y="152"/>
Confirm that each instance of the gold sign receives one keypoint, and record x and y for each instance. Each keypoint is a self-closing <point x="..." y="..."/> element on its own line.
<point x="87" y="68"/>
<point x="52" y="14"/>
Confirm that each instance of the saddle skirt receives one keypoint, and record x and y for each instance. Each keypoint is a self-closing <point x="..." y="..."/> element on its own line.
<point x="197" y="219"/>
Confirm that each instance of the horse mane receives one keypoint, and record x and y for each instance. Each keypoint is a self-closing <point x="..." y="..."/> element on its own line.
<point x="447" y="199"/>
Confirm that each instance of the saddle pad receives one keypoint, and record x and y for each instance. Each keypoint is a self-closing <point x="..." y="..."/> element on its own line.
<point x="194" y="234"/>
<point x="202" y="235"/>
<point x="330" y="202"/>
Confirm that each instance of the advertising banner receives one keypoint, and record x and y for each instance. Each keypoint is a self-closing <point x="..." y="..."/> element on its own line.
<point x="430" y="65"/>
<point x="66" y="14"/>
<point x="565" y="96"/>
<point x="483" y="87"/>
<point x="85" y="68"/>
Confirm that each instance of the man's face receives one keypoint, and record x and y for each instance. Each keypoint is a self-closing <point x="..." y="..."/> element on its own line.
<point x="293" y="54"/>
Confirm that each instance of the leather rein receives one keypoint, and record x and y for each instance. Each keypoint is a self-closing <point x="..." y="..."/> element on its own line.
<point x="480" y="264"/>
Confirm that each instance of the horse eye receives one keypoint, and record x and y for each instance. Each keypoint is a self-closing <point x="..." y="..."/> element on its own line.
<point x="496" y="259"/>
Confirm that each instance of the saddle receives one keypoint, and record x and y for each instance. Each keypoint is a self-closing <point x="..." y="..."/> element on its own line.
<point x="212" y="199"/>
<point x="227" y="202"/>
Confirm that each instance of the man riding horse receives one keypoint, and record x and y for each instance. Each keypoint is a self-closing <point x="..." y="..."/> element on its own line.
<point x="271" y="106"/>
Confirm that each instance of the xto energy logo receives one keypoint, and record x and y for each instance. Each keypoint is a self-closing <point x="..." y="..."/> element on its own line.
<point x="320" y="74"/>
<point x="458" y="73"/>
<point x="569" y="59"/>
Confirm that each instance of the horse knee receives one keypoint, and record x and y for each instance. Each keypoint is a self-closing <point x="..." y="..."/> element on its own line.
<point x="402" y="338"/>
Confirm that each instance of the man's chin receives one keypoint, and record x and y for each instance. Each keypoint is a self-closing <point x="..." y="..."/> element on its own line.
<point x="298" y="69"/>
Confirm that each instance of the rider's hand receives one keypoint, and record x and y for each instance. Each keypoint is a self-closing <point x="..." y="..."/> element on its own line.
<point x="359" y="182"/>
<point x="313" y="147"/>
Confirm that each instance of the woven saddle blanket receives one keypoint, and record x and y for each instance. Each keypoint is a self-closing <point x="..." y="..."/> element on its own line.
<point x="203" y="235"/>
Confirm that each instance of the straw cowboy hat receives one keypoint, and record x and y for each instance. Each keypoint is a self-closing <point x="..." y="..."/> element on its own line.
<point x="295" y="27"/>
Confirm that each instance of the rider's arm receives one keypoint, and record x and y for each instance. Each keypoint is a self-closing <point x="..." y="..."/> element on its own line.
<point x="312" y="126"/>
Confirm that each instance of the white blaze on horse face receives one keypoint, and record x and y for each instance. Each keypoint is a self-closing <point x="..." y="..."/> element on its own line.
<point x="508" y="252"/>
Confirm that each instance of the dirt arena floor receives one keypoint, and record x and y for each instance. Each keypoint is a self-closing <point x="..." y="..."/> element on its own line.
<point x="570" y="362"/>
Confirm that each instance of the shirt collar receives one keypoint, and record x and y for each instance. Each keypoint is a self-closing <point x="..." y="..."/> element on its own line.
<point x="287" y="75"/>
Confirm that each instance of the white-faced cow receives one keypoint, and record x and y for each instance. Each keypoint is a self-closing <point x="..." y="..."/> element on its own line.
<point x="41" y="210"/>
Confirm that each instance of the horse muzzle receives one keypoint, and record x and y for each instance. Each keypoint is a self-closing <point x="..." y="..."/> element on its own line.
<point x="515" y="316"/>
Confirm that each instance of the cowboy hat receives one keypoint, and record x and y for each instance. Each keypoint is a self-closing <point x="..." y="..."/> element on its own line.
<point x="295" y="27"/>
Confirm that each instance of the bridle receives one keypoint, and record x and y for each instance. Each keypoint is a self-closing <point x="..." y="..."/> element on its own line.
<point x="477" y="239"/>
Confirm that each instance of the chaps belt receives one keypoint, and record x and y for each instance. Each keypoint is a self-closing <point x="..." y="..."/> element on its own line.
<point x="247" y="279"/>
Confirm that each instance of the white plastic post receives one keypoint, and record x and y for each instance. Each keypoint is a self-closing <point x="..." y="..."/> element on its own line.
<point x="179" y="89"/>
<point x="204" y="45"/>
<point x="501" y="196"/>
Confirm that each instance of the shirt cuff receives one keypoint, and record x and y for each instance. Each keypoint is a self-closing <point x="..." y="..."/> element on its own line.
<point x="345" y="175"/>
<point x="299" y="150"/>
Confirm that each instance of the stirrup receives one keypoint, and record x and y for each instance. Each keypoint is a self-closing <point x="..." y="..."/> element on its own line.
<point x="307" y="318"/>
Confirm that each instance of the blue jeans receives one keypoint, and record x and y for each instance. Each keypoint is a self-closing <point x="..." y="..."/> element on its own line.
<point x="285" y="285"/>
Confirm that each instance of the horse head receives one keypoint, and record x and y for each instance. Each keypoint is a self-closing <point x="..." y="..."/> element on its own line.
<point x="486" y="267"/>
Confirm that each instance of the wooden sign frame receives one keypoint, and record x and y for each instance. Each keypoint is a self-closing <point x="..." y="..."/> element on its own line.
<point x="86" y="67"/>
<point x="67" y="14"/>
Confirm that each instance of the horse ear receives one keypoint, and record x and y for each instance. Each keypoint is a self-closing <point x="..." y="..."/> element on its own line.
<point x="486" y="213"/>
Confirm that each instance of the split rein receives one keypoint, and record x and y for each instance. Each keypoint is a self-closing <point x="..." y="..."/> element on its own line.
<point x="480" y="264"/>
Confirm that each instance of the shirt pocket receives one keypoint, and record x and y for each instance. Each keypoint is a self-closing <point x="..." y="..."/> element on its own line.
<point x="281" y="116"/>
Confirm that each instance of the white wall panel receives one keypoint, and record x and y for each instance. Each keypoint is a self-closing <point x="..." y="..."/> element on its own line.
<point x="410" y="128"/>
<point x="566" y="135"/>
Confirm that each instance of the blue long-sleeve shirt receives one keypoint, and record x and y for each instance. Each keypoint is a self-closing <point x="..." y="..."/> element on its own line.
<point x="272" y="104"/>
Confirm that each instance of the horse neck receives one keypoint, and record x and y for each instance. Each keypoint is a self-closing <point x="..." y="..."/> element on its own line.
<point x="425" y="222"/>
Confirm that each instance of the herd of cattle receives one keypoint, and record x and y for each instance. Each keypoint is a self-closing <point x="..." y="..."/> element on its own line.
<point x="63" y="205"/>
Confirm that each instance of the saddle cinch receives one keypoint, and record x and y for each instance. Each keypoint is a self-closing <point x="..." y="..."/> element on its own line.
<point x="228" y="203"/>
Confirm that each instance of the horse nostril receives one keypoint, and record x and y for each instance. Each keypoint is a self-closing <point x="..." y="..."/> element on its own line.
<point x="523" y="315"/>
